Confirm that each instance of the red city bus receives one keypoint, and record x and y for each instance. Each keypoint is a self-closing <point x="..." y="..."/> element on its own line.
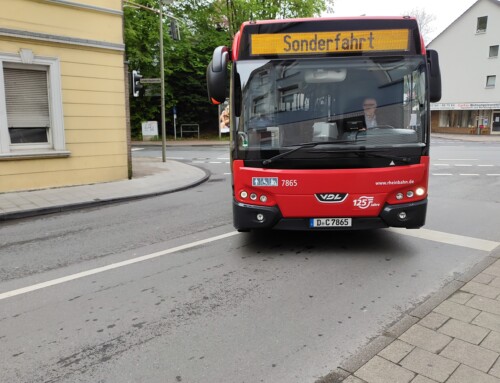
<point x="306" y="152"/>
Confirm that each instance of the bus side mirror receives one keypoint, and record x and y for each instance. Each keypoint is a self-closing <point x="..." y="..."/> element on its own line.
<point x="434" y="75"/>
<point x="217" y="75"/>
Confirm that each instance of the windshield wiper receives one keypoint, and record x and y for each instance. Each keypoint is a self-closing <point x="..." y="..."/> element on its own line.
<point x="308" y="145"/>
<point x="388" y="156"/>
<point x="370" y="153"/>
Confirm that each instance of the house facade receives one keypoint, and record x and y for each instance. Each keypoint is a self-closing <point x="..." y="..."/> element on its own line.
<point x="470" y="69"/>
<point x="62" y="93"/>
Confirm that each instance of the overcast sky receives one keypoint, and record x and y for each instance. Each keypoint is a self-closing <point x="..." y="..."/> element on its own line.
<point x="445" y="11"/>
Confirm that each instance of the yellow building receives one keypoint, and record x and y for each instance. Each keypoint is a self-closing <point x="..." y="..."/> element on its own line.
<point x="62" y="93"/>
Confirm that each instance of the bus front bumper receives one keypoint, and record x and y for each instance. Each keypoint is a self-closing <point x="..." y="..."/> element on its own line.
<point x="249" y="217"/>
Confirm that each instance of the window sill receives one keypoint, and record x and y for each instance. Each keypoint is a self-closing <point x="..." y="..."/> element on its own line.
<point x="34" y="155"/>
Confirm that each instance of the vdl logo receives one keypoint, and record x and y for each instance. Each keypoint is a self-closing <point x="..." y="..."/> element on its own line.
<point x="331" y="197"/>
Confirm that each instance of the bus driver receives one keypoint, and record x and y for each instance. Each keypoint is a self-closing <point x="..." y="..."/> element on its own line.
<point x="370" y="110"/>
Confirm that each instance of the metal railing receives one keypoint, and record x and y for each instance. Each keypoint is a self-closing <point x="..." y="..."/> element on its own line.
<point x="190" y="128"/>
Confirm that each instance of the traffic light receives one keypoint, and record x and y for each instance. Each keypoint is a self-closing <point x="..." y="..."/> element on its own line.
<point x="136" y="83"/>
<point x="174" y="30"/>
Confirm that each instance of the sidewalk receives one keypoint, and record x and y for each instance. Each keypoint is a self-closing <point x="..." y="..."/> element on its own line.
<point x="151" y="177"/>
<point x="453" y="337"/>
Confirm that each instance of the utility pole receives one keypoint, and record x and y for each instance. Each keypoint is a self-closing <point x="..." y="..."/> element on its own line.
<point x="162" y="77"/>
<point x="162" y="69"/>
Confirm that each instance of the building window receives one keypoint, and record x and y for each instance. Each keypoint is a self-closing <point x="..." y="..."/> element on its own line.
<point x="27" y="101"/>
<point x="31" y="118"/>
<point x="490" y="81"/>
<point x="493" y="51"/>
<point x="482" y="23"/>
<point x="456" y="118"/>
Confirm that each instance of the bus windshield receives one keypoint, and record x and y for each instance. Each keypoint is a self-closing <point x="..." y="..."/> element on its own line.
<point x="377" y="102"/>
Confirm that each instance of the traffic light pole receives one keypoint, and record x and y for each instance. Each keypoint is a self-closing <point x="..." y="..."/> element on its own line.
<point x="162" y="77"/>
<point x="162" y="70"/>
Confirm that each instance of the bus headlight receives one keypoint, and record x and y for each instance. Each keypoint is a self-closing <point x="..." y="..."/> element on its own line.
<point x="420" y="191"/>
<point x="243" y="194"/>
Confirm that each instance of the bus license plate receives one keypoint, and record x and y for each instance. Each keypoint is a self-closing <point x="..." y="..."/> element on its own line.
<point x="330" y="222"/>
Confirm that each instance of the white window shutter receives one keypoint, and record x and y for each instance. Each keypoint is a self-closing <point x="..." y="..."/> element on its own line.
<point x="26" y="94"/>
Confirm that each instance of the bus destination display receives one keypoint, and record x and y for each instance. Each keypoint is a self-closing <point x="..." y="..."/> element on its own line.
<point x="330" y="42"/>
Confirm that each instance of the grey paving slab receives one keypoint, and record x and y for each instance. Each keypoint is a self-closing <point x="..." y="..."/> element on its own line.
<point x="379" y="370"/>
<point x="460" y="297"/>
<point x="488" y="320"/>
<point x="396" y="351"/>
<point x="465" y="331"/>
<point x="495" y="370"/>
<point x="471" y="355"/>
<point x="422" y="379"/>
<point x="481" y="289"/>
<point x="466" y="374"/>
<point x="483" y="278"/>
<point x="425" y="338"/>
<point x="485" y="304"/>
<point x="429" y="364"/>
<point x="492" y="341"/>
<point x="433" y="320"/>
<point x="495" y="282"/>
<point x="353" y="379"/>
<point x="493" y="270"/>
<point x="457" y="311"/>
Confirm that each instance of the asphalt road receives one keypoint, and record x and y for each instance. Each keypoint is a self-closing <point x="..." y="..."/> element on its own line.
<point x="185" y="298"/>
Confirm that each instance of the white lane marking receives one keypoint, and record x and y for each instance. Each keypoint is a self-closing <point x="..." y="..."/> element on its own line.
<point x="431" y="235"/>
<point x="463" y="165"/>
<point x="442" y="174"/>
<point x="484" y="166"/>
<point x="222" y="158"/>
<point x="493" y="175"/>
<point x="469" y="174"/>
<point x="448" y="238"/>
<point x="441" y="164"/>
<point x="458" y="159"/>
<point x="112" y="266"/>
<point x="136" y="149"/>
<point x="215" y="162"/>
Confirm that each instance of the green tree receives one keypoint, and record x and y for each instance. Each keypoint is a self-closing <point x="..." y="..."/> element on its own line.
<point x="205" y="25"/>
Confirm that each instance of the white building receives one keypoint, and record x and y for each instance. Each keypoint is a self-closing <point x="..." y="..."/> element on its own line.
<point x="470" y="70"/>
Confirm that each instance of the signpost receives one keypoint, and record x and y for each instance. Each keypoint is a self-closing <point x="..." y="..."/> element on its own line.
<point x="150" y="80"/>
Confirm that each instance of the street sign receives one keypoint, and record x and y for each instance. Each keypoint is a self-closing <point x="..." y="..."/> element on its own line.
<point x="150" y="80"/>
